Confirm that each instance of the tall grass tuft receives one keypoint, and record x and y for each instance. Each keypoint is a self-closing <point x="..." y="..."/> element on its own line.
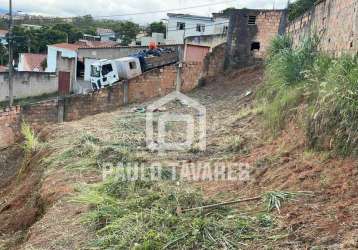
<point x="334" y="120"/>
<point x="326" y="89"/>
<point x="31" y="143"/>
<point x="284" y="87"/>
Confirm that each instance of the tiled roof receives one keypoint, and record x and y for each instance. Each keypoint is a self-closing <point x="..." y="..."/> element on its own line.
<point x="3" y="33"/>
<point x="97" y="44"/>
<point x="86" y="44"/>
<point x="68" y="46"/>
<point x="33" y="62"/>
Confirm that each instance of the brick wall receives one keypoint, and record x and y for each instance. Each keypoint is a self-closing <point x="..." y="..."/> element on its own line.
<point x="242" y="34"/>
<point x="79" y="106"/>
<point x="191" y="74"/>
<point x="335" y="21"/>
<point x="155" y="83"/>
<point x="214" y="61"/>
<point x="41" y="113"/>
<point x="9" y="126"/>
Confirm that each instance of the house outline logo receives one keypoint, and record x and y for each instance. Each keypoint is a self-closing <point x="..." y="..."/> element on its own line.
<point x="160" y="144"/>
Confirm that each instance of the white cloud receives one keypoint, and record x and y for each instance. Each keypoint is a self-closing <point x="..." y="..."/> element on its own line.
<point x="118" y="7"/>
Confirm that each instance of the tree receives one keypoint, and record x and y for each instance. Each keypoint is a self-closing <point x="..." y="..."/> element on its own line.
<point x="156" y="27"/>
<point x="126" y="31"/>
<point x="228" y="10"/>
<point x="19" y="40"/>
<point x="35" y="40"/>
<point x="73" y="34"/>
<point x="51" y="36"/>
<point x="299" y="7"/>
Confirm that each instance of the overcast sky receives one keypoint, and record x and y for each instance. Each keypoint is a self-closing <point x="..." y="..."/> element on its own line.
<point x="117" y="7"/>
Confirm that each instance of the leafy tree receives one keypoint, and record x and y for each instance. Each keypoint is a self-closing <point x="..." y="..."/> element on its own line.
<point x="19" y="40"/>
<point x="72" y="32"/>
<point x="126" y="31"/>
<point x="156" y="27"/>
<point x="51" y="36"/>
<point x="228" y="10"/>
<point x="33" y="40"/>
<point x="299" y="7"/>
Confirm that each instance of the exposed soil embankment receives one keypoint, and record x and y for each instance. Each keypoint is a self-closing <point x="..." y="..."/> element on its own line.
<point x="20" y="202"/>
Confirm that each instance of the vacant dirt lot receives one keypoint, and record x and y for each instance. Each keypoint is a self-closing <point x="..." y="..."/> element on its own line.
<point x="327" y="219"/>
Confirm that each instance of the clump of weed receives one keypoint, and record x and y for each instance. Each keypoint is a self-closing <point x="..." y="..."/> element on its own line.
<point x="237" y="144"/>
<point x="31" y="143"/>
<point x="146" y="214"/>
<point x="324" y="89"/>
<point x="334" y="119"/>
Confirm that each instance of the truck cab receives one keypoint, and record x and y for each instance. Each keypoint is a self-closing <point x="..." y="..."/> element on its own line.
<point x="107" y="72"/>
<point x="103" y="73"/>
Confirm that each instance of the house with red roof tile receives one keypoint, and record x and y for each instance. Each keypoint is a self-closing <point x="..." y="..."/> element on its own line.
<point x="32" y="62"/>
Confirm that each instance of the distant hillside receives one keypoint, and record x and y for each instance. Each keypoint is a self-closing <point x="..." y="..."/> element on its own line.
<point x="3" y="11"/>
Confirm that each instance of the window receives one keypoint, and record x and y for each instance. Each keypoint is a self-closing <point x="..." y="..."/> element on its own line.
<point x="200" y="27"/>
<point x="255" y="46"/>
<point x="107" y="68"/>
<point x="252" y="20"/>
<point x="225" y="29"/>
<point x="95" y="71"/>
<point x="132" y="65"/>
<point x="180" y="26"/>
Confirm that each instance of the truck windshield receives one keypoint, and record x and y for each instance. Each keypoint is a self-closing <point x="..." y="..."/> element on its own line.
<point x="95" y="71"/>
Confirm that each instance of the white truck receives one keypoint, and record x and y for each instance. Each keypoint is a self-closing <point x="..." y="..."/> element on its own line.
<point x="107" y="72"/>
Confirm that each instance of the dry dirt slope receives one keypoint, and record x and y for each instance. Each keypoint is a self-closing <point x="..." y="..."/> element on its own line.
<point x="38" y="207"/>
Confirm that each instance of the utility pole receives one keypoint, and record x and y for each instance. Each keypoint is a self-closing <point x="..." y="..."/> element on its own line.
<point x="11" y="88"/>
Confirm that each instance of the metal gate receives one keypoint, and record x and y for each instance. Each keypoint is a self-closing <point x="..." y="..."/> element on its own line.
<point x="64" y="82"/>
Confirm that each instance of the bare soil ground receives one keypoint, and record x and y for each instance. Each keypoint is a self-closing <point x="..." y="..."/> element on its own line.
<point x="39" y="212"/>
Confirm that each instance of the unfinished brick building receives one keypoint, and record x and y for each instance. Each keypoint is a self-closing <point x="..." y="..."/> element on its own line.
<point x="250" y="33"/>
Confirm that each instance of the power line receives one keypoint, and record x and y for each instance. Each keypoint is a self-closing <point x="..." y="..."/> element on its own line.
<point x="132" y="14"/>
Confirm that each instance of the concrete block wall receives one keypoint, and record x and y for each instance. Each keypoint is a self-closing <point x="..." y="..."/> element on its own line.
<point x="335" y="21"/>
<point x="27" y="84"/>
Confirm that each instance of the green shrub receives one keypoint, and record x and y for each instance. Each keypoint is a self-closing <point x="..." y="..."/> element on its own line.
<point x="278" y="44"/>
<point x="299" y="7"/>
<point x="285" y="87"/>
